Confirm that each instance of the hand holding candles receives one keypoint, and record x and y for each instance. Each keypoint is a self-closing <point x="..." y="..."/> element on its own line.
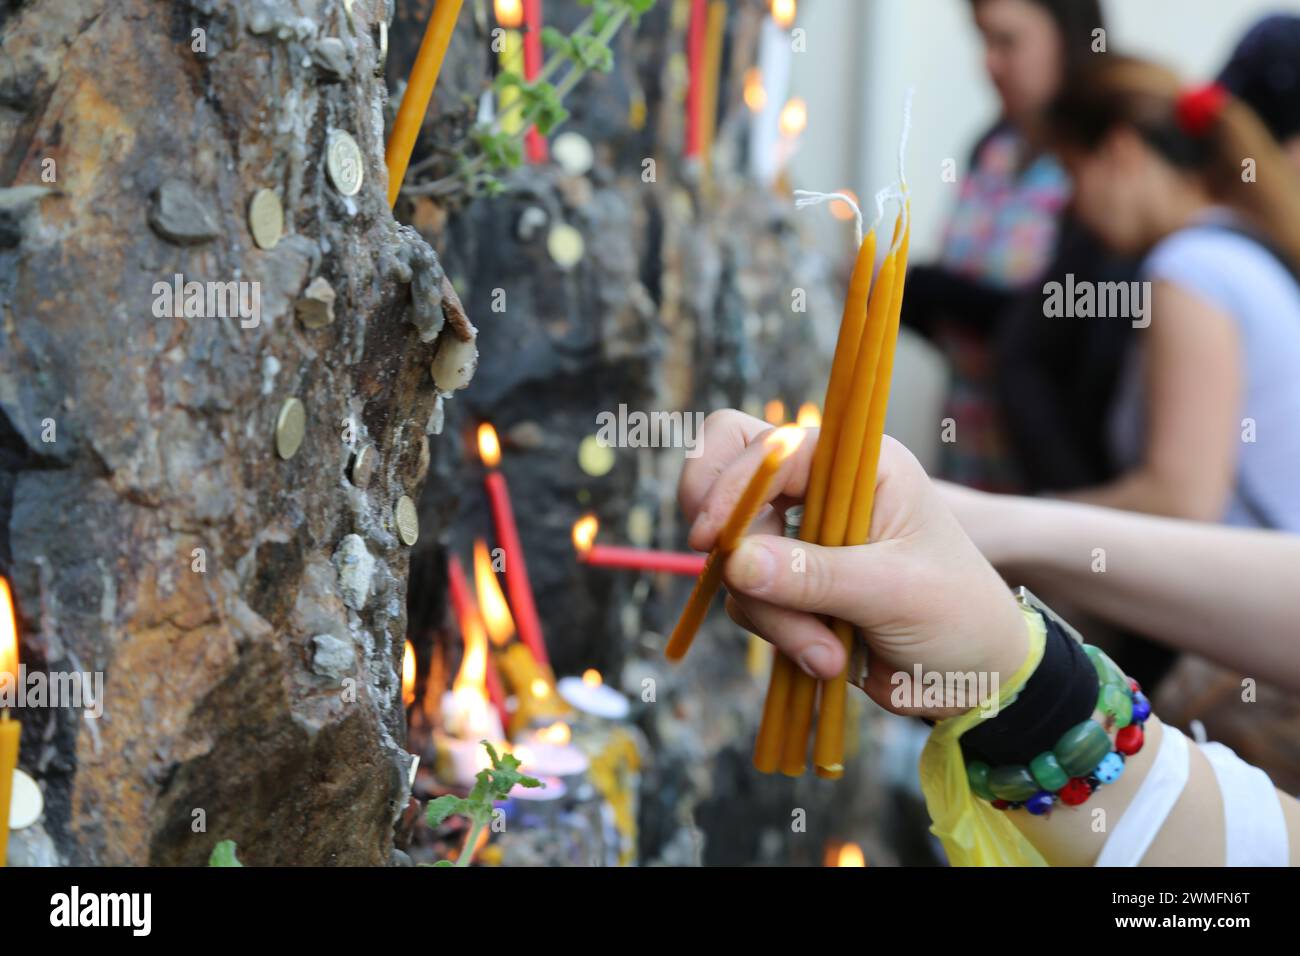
<point x="10" y="730"/>
<point x="779" y="445"/>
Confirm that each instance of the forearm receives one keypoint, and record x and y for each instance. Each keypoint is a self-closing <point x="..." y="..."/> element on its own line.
<point x="1228" y="594"/>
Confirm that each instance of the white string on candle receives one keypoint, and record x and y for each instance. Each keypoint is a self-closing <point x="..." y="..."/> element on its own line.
<point x="806" y="197"/>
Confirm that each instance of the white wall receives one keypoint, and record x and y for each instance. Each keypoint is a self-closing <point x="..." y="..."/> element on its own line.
<point x="864" y="54"/>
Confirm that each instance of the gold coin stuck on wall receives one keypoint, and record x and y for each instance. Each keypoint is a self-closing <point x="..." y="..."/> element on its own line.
<point x="565" y="245"/>
<point x="290" y="426"/>
<point x="594" y="458"/>
<point x="343" y="160"/>
<point x="408" y="520"/>
<point x="266" y="218"/>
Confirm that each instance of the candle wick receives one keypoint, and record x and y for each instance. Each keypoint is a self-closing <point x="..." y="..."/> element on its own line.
<point x="907" y="130"/>
<point x="806" y="197"/>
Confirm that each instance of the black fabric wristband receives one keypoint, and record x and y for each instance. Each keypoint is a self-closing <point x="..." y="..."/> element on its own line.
<point x="1060" y="693"/>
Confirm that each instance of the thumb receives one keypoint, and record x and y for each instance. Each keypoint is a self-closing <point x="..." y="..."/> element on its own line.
<point x="807" y="577"/>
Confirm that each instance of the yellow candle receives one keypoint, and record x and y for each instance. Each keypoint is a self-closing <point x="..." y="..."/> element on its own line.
<point x="708" y="113"/>
<point x="828" y="746"/>
<point x="10" y="730"/>
<point x="781" y="444"/>
<point x="419" y="87"/>
<point x="512" y="61"/>
<point x="773" y="731"/>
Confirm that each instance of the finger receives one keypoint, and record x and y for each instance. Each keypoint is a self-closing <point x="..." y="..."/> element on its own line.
<point x="723" y="436"/>
<point x="799" y="636"/>
<point x="854" y="584"/>
<point x="790" y="481"/>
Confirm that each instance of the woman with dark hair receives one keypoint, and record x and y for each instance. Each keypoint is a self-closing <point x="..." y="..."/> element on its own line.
<point x="1264" y="73"/>
<point x="1018" y="387"/>
<point x="1205" y="420"/>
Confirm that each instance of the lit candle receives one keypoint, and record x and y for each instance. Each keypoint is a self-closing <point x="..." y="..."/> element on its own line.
<point x="781" y="444"/>
<point x="419" y="87"/>
<point x="549" y="752"/>
<point x="629" y="559"/>
<point x="809" y="416"/>
<point x="510" y="15"/>
<point x="408" y="675"/>
<point x="10" y="730"/>
<point x="591" y="695"/>
<point x="534" y="143"/>
<point x="503" y="516"/>
<point x="465" y="607"/>
<point x="774" y="412"/>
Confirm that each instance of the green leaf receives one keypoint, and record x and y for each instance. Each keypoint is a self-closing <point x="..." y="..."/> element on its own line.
<point x="440" y="809"/>
<point x="506" y="79"/>
<point x="445" y="863"/>
<point x="223" y="854"/>
<point x="553" y="39"/>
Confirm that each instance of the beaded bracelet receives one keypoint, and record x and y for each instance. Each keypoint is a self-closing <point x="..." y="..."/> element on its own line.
<point x="1082" y="760"/>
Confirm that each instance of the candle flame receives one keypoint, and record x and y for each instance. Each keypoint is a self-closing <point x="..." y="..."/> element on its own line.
<point x="794" y="118"/>
<point x="540" y="688"/>
<point x="509" y="13"/>
<point x="783" y="12"/>
<point x="842" y="210"/>
<point x="591" y="677"/>
<point x="489" y="448"/>
<point x="496" y="613"/>
<point x="8" y="632"/>
<point x="408" y="675"/>
<point x="787" y="439"/>
<point x="584" y="533"/>
<point x="558" y="733"/>
<point x="774" y="412"/>
<point x="755" y="92"/>
<point x="850" y="855"/>
<point x="810" y="416"/>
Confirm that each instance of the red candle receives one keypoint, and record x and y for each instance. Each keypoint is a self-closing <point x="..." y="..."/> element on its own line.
<point x="518" y="589"/>
<point x="631" y="559"/>
<point x="534" y="142"/>
<point x="465" y="607"/>
<point x="695" y="64"/>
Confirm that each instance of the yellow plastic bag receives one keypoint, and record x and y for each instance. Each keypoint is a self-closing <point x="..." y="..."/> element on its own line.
<point x="973" y="833"/>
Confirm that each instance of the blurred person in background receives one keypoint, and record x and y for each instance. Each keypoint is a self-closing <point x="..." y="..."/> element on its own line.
<point x="1024" y="388"/>
<point x="1189" y="178"/>
<point x="1264" y="73"/>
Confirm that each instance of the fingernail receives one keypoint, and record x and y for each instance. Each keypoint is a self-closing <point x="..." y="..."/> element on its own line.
<point x="817" y="660"/>
<point x="752" y="567"/>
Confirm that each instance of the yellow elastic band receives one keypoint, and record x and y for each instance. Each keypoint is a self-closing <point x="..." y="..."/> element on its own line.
<point x="973" y="833"/>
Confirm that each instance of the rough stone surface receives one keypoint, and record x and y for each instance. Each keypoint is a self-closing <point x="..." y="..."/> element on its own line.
<point x="180" y="215"/>
<point x="164" y="428"/>
<point x="334" y="658"/>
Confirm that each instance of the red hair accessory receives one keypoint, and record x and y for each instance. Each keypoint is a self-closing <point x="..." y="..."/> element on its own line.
<point x="1199" y="109"/>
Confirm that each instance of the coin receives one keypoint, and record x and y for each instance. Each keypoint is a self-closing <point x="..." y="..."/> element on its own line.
<point x="408" y="520"/>
<point x="565" y="245"/>
<point x="594" y="457"/>
<point x="573" y="153"/>
<point x="27" y="804"/>
<point x="266" y="218"/>
<point x="343" y="159"/>
<point x="289" y="428"/>
<point x="363" y="466"/>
